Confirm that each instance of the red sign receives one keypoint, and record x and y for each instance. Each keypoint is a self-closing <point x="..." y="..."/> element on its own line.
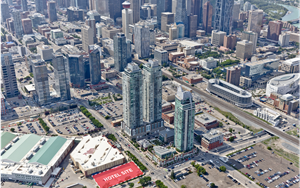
<point x="117" y="175"/>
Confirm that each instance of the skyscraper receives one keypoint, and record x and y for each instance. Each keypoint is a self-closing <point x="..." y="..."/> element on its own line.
<point x="24" y="5"/>
<point x="41" y="6"/>
<point x="87" y="37"/>
<point x="92" y="24"/>
<point x="223" y="15"/>
<point x="230" y="41"/>
<point x="188" y="5"/>
<point x="217" y="38"/>
<point x="17" y="23"/>
<point x="160" y="9"/>
<point x="135" y="7"/>
<point x="76" y="70"/>
<point x="142" y="39"/>
<point x="255" y="21"/>
<point x="166" y="19"/>
<point x="250" y="36"/>
<point x="95" y="66"/>
<point x="132" y="92"/>
<point x="9" y="76"/>
<point x="247" y="6"/>
<point x="235" y="11"/>
<point x="192" y="20"/>
<point x="4" y="12"/>
<point x="41" y="82"/>
<point x="274" y="30"/>
<point x="51" y="6"/>
<point x="127" y="18"/>
<point x="184" y="120"/>
<point x="197" y="10"/>
<point x="81" y="4"/>
<point x="62" y="86"/>
<point x="207" y="17"/>
<point x="27" y="26"/>
<point x="244" y="49"/>
<point x="284" y="39"/>
<point x="233" y="75"/>
<point x="152" y="92"/>
<point x="120" y="52"/>
<point x="115" y="9"/>
<point x="102" y="7"/>
<point x="181" y="15"/>
<point x="168" y="6"/>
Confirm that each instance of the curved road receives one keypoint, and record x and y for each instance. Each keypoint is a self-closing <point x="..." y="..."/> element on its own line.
<point x="233" y="109"/>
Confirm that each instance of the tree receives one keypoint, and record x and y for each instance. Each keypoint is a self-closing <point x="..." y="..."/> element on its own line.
<point x="12" y="129"/>
<point x="212" y="185"/>
<point x="131" y="184"/>
<point x="84" y="187"/>
<point x="230" y="130"/>
<point x="172" y="175"/>
<point x="269" y="148"/>
<point x="193" y="163"/>
<point x="223" y="168"/>
<point x="183" y="186"/>
<point x="141" y="66"/>
<point x="231" y="139"/>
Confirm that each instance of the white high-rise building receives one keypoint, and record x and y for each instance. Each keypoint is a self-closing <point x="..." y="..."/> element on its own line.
<point x="284" y="39"/>
<point x="87" y="37"/>
<point x="255" y="20"/>
<point x="217" y="38"/>
<point x="142" y="39"/>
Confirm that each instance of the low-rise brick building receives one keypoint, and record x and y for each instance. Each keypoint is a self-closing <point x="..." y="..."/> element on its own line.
<point x="192" y="78"/>
<point x="212" y="139"/>
<point x="207" y="121"/>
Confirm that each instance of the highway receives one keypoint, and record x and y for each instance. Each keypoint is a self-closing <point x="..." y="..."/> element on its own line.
<point x="215" y="101"/>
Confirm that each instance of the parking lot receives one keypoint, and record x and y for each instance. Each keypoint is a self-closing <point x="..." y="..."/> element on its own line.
<point x="70" y="122"/>
<point x="213" y="175"/>
<point x="262" y="166"/>
<point x="26" y="128"/>
<point x="112" y="109"/>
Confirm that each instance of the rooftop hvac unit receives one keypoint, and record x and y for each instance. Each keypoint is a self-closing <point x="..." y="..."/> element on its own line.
<point x="29" y="156"/>
<point x="42" y="142"/>
<point x="2" y="151"/>
<point x="30" y="171"/>
<point x="36" y="149"/>
<point x="8" y="146"/>
<point x="40" y="172"/>
<point x="15" y="140"/>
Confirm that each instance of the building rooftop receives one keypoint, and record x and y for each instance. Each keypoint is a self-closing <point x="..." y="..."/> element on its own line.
<point x="93" y="152"/>
<point x="193" y="76"/>
<point x="167" y="131"/>
<point x="230" y="88"/>
<point x="212" y="134"/>
<point x="30" y="87"/>
<point x="144" y="143"/>
<point x="205" y="118"/>
<point x="19" y="149"/>
<point x="285" y="79"/>
<point x="48" y="150"/>
<point x="183" y="95"/>
<point x="160" y="150"/>
<point x="294" y="61"/>
<point x="6" y="137"/>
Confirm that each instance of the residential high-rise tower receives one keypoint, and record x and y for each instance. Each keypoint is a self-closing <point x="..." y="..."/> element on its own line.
<point x="95" y="66"/>
<point x="255" y="21"/>
<point x="142" y="39"/>
<point x="152" y="92"/>
<point x="17" y="23"/>
<point x="223" y="15"/>
<point x="76" y="70"/>
<point x="207" y="17"/>
<point x="9" y="76"/>
<point x="62" y="86"/>
<point x="121" y="45"/>
<point x="41" y="82"/>
<point x="184" y="120"/>
<point x="51" y="6"/>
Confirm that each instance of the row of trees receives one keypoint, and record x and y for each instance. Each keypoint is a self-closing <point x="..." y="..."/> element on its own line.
<point x="44" y="125"/>
<point x="160" y="184"/>
<point x="145" y="180"/>
<point x="137" y="162"/>
<point x="200" y="169"/>
<point x="92" y="118"/>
